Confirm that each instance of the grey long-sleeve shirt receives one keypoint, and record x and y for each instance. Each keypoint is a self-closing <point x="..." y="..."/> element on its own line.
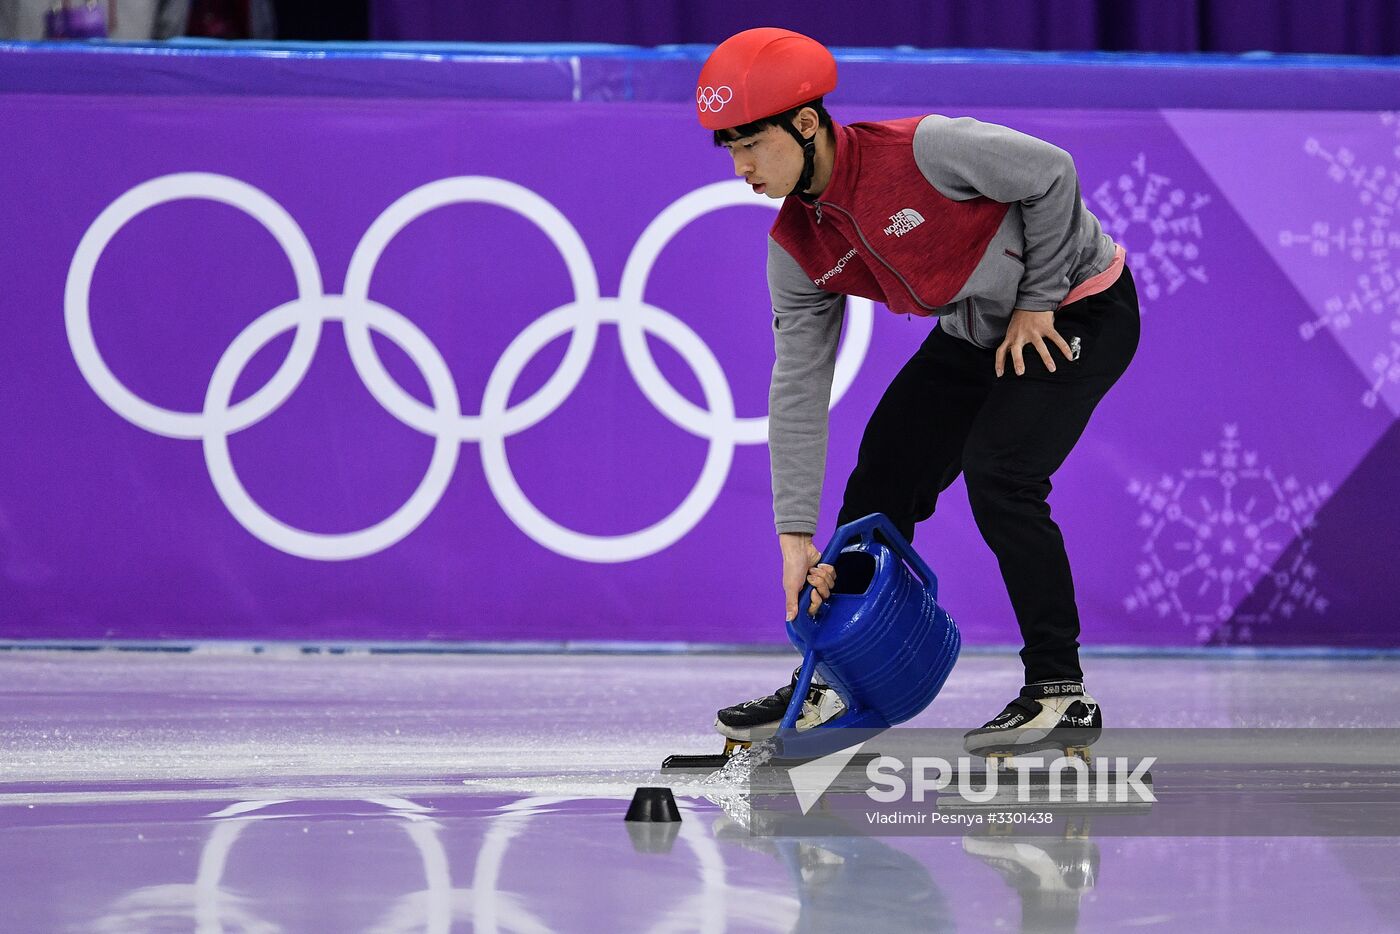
<point x="1059" y="243"/>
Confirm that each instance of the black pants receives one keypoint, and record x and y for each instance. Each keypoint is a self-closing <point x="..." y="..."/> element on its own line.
<point x="947" y="413"/>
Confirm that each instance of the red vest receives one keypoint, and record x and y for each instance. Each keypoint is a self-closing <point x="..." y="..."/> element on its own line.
<point x="880" y="230"/>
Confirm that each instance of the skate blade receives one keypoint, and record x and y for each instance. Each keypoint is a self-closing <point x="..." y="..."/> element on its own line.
<point x="681" y="763"/>
<point x="1005" y="758"/>
<point x="684" y="763"/>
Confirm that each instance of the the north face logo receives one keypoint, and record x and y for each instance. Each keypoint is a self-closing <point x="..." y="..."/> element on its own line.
<point x="903" y="222"/>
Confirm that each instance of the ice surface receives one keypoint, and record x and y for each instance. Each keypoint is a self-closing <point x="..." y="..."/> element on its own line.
<point x="378" y="793"/>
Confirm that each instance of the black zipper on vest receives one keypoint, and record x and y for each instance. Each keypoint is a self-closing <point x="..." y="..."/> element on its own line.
<point x="905" y="282"/>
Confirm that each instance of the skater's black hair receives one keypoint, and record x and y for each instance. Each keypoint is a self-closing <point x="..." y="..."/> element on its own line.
<point x="783" y="120"/>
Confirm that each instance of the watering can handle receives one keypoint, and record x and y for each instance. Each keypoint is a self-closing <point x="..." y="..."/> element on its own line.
<point x="864" y="529"/>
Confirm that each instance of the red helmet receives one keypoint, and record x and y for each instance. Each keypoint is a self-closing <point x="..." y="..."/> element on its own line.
<point x="761" y="72"/>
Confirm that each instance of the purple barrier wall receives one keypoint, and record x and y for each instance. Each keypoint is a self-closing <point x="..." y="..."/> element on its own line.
<point x="431" y="369"/>
<point x="1367" y="27"/>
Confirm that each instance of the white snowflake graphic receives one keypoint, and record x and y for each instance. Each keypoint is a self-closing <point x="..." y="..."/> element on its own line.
<point x="1371" y="241"/>
<point x="1158" y="224"/>
<point x="1215" y="535"/>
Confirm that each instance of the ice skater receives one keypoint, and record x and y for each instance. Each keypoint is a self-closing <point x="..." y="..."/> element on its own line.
<point x="984" y="228"/>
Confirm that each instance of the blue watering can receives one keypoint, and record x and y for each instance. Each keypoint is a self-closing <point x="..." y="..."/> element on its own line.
<point x="881" y="640"/>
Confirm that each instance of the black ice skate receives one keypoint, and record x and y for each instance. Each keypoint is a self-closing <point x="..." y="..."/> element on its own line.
<point x="1048" y="715"/>
<point x="758" y="719"/>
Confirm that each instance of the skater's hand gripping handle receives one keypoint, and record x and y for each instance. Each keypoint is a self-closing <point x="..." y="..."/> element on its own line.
<point x="802" y="568"/>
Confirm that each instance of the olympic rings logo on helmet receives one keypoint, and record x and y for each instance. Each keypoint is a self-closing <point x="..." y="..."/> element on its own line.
<point x="443" y="420"/>
<point x="774" y="70"/>
<point x="712" y="100"/>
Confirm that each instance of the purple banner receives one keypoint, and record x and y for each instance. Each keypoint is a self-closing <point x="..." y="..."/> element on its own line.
<point x="1362" y="27"/>
<point x="948" y="80"/>
<point x="371" y="369"/>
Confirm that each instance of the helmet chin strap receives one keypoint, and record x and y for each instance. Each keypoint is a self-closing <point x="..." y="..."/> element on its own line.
<point x="809" y="163"/>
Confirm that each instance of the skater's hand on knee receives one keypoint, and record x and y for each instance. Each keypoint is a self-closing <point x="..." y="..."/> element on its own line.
<point x="1033" y="328"/>
<point x="801" y="567"/>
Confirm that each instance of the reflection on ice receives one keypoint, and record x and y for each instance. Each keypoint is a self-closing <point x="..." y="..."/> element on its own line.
<point x="280" y="796"/>
<point x="180" y="907"/>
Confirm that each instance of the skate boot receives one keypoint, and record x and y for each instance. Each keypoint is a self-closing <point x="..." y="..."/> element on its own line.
<point x="758" y="719"/>
<point x="1054" y="715"/>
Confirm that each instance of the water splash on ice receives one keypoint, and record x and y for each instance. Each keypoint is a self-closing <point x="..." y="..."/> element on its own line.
<point x="739" y="769"/>
<point x="729" y="785"/>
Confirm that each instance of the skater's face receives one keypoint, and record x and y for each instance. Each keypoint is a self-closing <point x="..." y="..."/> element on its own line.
<point x="770" y="161"/>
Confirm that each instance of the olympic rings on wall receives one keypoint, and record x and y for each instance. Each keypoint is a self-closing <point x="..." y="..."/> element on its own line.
<point x="443" y="420"/>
